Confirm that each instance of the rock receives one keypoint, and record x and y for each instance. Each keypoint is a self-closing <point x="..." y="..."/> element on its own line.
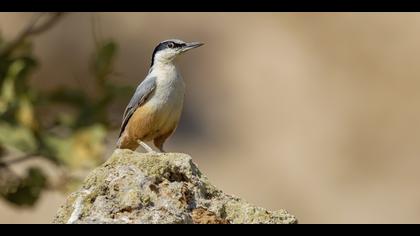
<point x="140" y="188"/>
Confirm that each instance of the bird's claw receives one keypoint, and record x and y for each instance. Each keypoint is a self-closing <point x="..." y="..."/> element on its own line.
<point x="147" y="147"/>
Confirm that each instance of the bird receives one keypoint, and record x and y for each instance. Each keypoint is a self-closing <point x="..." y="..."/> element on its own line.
<point x="155" y="109"/>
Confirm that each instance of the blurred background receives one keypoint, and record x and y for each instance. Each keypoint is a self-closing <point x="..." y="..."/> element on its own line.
<point x="317" y="113"/>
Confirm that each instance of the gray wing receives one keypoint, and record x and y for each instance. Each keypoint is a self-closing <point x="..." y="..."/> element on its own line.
<point x="143" y="92"/>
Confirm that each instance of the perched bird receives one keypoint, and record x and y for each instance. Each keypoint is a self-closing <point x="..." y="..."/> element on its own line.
<point x="155" y="108"/>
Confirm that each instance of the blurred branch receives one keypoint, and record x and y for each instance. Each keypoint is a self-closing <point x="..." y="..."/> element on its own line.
<point x="33" y="28"/>
<point x="66" y="126"/>
<point x="44" y="27"/>
<point x="94" y="31"/>
<point x="25" y="157"/>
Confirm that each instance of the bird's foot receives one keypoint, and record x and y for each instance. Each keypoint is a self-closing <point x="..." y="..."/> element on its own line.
<point x="146" y="147"/>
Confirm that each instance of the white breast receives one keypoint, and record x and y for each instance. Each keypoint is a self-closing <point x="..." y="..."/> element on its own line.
<point x="168" y="98"/>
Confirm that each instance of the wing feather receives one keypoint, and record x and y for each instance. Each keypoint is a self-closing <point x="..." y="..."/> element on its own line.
<point x="143" y="92"/>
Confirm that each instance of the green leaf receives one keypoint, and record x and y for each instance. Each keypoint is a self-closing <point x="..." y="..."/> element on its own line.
<point x="15" y="82"/>
<point x="82" y="149"/>
<point x="26" y="113"/>
<point x="17" y="137"/>
<point x="66" y="119"/>
<point x="8" y="91"/>
<point x="22" y="78"/>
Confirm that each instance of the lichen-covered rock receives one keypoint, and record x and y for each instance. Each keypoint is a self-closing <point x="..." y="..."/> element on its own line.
<point x="144" y="188"/>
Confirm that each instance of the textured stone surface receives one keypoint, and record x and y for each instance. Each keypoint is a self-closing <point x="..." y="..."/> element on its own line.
<point x="142" y="188"/>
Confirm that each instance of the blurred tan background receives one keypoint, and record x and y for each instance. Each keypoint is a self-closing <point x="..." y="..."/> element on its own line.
<point x="315" y="113"/>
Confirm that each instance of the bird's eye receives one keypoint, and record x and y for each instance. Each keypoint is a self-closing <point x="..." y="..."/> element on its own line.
<point x="171" y="45"/>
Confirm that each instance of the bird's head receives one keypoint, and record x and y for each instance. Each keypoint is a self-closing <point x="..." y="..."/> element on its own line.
<point x="166" y="51"/>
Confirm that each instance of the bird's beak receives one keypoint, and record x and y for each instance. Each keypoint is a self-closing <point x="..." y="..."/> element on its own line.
<point x="192" y="45"/>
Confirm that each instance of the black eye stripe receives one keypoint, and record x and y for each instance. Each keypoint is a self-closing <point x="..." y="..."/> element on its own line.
<point x="175" y="45"/>
<point x="165" y="45"/>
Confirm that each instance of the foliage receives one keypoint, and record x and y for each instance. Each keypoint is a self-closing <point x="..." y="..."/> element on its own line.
<point x="72" y="139"/>
<point x="24" y="191"/>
